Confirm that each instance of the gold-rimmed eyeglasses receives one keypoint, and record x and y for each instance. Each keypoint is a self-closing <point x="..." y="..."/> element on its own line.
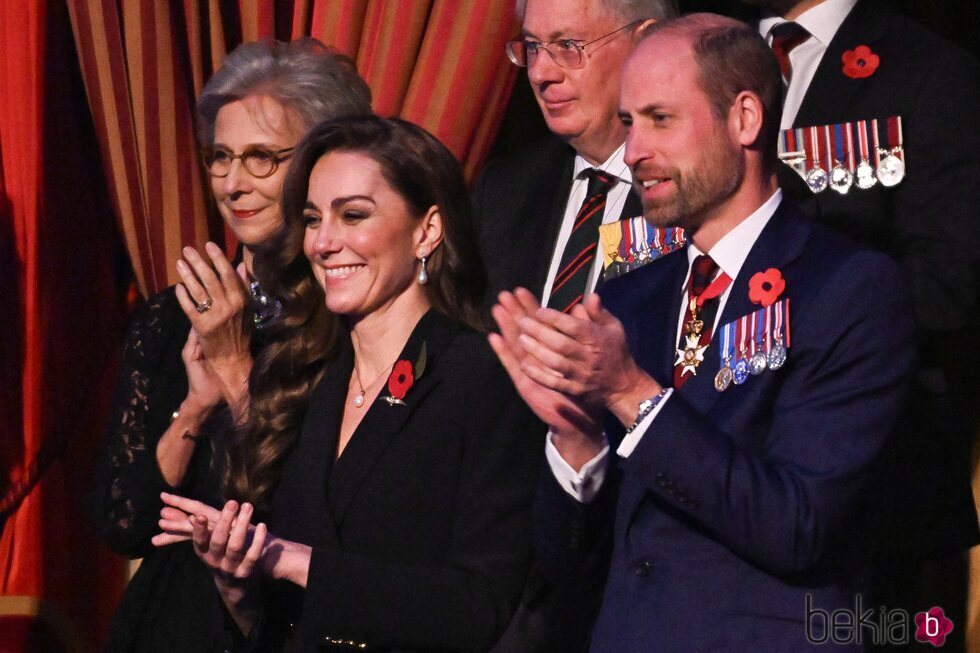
<point x="567" y="53"/>
<point x="258" y="161"/>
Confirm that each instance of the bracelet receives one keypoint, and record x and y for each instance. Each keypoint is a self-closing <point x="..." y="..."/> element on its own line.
<point x="645" y="408"/>
<point x="186" y="435"/>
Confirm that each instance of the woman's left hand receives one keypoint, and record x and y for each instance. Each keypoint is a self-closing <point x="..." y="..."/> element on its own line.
<point x="178" y="519"/>
<point x="216" y="300"/>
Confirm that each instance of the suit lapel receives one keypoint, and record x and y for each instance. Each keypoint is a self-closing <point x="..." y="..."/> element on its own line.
<point x="384" y="422"/>
<point x="309" y="465"/>
<point x="779" y="243"/>
<point x="831" y="93"/>
<point x="544" y="213"/>
<point x="632" y="207"/>
<point x="665" y="307"/>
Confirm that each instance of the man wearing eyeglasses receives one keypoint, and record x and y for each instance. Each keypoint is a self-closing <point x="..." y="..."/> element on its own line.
<point x="538" y="212"/>
<point x="527" y="208"/>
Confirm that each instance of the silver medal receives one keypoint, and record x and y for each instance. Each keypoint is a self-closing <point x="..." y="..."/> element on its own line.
<point x="757" y="363"/>
<point x="891" y="170"/>
<point x="865" y="175"/>
<point x="841" y="179"/>
<point x="777" y="356"/>
<point x="816" y="179"/>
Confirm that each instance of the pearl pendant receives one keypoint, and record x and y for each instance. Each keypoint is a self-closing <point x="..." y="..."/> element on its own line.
<point x="359" y="400"/>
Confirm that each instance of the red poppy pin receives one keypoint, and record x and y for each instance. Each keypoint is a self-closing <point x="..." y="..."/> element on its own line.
<point x="766" y="287"/>
<point x="403" y="376"/>
<point x="860" y="62"/>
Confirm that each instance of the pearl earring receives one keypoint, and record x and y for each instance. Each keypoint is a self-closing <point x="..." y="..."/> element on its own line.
<point x="423" y="277"/>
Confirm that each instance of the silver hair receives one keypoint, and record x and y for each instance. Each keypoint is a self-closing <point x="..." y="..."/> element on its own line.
<point x="316" y="83"/>
<point x="626" y="10"/>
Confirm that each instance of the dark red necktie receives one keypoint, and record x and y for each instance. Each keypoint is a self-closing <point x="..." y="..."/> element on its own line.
<point x="576" y="260"/>
<point x="703" y="270"/>
<point x="785" y="37"/>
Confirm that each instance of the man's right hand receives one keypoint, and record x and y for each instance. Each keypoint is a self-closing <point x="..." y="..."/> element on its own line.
<point x="577" y="431"/>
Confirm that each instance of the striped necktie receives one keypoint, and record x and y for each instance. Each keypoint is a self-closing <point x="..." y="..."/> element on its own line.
<point x="703" y="270"/>
<point x="576" y="260"/>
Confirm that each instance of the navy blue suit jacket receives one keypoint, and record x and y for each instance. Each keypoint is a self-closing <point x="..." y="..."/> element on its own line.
<point x="736" y="505"/>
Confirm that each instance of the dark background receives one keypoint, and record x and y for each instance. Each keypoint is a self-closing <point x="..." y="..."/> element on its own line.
<point x="956" y="20"/>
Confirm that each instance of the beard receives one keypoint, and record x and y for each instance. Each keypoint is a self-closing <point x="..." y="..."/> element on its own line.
<point x="715" y="177"/>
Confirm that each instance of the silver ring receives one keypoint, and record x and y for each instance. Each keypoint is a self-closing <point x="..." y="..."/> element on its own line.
<point x="205" y="306"/>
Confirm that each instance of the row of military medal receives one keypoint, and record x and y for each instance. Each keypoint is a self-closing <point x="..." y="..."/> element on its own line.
<point x="860" y="153"/>
<point x="752" y="344"/>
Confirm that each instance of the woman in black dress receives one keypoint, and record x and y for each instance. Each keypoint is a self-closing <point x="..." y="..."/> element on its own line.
<point x="167" y="407"/>
<point x="397" y="460"/>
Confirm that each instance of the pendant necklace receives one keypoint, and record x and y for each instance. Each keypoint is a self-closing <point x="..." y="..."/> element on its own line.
<point x="359" y="399"/>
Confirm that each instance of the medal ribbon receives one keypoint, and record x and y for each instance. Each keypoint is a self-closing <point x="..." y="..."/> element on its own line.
<point x="877" y="143"/>
<point x="625" y="242"/>
<point x="814" y="142"/>
<point x="863" y="140"/>
<point x="895" y="137"/>
<point x="759" y="323"/>
<point x="727" y="351"/>
<point x="850" y="145"/>
<point x="839" y="153"/>
<point x="828" y="149"/>
<point x="768" y="335"/>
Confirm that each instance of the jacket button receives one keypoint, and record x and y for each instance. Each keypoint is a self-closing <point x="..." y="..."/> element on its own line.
<point x="642" y="568"/>
<point x="662" y="480"/>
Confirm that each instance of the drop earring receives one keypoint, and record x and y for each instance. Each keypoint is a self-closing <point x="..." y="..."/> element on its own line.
<point x="423" y="277"/>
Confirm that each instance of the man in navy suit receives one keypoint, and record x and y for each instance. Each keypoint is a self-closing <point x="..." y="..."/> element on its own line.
<point x="735" y="507"/>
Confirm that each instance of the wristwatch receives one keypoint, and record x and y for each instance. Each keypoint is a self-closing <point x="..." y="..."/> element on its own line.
<point x="645" y="408"/>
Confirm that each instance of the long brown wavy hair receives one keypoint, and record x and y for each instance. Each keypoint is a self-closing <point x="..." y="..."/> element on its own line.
<point x="305" y="338"/>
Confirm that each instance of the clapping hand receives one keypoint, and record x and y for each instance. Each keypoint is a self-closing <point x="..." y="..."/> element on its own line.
<point x="562" y="413"/>
<point x="216" y="299"/>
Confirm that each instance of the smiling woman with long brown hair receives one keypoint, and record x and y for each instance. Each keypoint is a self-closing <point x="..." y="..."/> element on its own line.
<point x="394" y="456"/>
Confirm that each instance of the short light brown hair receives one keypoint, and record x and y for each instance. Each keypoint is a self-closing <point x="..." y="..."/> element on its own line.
<point x="731" y="58"/>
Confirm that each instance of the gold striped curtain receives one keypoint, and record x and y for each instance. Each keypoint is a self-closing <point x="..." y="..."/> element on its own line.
<point x="438" y="63"/>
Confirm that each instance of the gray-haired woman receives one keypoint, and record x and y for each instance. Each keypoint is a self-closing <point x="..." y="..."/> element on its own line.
<point x="167" y="405"/>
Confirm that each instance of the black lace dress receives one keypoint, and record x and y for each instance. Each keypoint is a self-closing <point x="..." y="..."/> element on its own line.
<point x="171" y="603"/>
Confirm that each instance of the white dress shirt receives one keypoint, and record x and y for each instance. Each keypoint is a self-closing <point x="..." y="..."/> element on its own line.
<point x="729" y="253"/>
<point x="822" y="22"/>
<point x="615" y="200"/>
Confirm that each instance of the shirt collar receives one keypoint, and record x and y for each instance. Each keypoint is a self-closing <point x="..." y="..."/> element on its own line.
<point x="821" y="21"/>
<point x="731" y="251"/>
<point x="614" y="165"/>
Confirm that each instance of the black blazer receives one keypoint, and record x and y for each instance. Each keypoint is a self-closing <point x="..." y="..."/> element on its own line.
<point x="421" y="530"/>
<point x="519" y="203"/>
<point x="930" y="224"/>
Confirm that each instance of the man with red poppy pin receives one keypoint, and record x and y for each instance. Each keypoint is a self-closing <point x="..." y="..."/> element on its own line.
<point x="715" y="518"/>
<point x="864" y="61"/>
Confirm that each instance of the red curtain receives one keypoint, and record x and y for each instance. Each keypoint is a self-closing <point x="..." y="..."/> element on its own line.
<point x="58" y="335"/>
<point x="439" y="63"/>
<point x="79" y="192"/>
